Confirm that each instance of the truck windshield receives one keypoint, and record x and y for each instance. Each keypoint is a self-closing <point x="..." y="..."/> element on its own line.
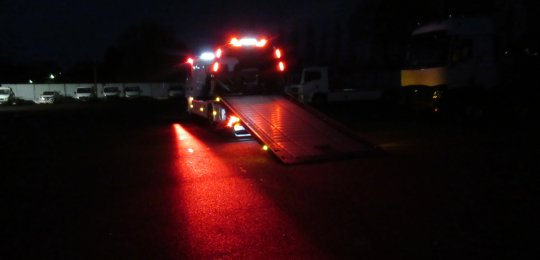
<point x="132" y="89"/>
<point x="4" y="91"/>
<point x="110" y="89"/>
<point x="48" y="93"/>
<point x="84" y="90"/>
<point x="427" y="50"/>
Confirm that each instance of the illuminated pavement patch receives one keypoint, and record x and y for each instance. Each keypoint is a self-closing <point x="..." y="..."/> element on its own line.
<point x="226" y="214"/>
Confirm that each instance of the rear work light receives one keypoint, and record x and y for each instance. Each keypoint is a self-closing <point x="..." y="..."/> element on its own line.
<point x="207" y="56"/>
<point x="215" y="67"/>
<point x="248" y="42"/>
<point x="233" y="120"/>
<point x="261" y="43"/>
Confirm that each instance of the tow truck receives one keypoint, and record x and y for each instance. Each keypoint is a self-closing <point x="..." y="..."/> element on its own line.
<point x="240" y="88"/>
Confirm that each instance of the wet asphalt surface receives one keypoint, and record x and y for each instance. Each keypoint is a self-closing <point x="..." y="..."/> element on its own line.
<point x="140" y="180"/>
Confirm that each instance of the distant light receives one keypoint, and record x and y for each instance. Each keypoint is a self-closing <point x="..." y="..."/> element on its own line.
<point x="214" y="113"/>
<point x="207" y="56"/>
<point x="265" y="147"/>
<point x="218" y="99"/>
<point x="215" y="67"/>
<point x="201" y="109"/>
<point x="190" y="150"/>
<point x="190" y="61"/>
<point x="30" y="81"/>
<point x="51" y="76"/>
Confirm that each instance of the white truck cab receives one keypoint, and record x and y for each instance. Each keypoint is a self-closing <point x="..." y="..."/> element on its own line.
<point x="7" y="96"/>
<point x="316" y="87"/>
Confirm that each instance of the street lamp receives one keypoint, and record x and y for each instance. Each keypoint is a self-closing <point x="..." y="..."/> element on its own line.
<point x="51" y="76"/>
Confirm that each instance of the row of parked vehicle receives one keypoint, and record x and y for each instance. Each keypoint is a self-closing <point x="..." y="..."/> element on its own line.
<point x="90" y="94"/>
<point x="8" y="97"/>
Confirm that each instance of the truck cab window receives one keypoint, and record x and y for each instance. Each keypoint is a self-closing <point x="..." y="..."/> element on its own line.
<point x="427" y="50"/>
<point x="311" y="76"/>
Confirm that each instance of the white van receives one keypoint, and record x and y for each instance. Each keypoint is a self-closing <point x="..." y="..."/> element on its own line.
<point x="85" y="94"/>
<point x="7" y="96"/>
<point x="111" y="92"/>
<point x="132" y="92"/>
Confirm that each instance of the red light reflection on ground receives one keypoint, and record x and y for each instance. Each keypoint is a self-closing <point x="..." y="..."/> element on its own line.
<point x="226" y="215"/>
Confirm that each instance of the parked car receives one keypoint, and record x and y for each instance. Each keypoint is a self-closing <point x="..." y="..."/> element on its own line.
<point x="50" y="97"/>
<point x="132" y="92"/>
<point x="85" y="94"/>
<point x="7" y="96"/>
<point x="176" y="92"/>
<point x="111" y="92"/>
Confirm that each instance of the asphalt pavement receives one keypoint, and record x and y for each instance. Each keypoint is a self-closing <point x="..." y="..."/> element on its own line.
<point x="141" y="180"/>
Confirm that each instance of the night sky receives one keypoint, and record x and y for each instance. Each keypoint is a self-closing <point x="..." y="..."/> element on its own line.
<point x="69" y="31"/>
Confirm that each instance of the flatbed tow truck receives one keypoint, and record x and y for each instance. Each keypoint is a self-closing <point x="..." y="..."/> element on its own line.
<point x="240" y="88"/>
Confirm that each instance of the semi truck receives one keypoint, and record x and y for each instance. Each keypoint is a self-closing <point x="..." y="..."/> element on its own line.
<point x="449" y="66"/>
<point x="240" y="88"/>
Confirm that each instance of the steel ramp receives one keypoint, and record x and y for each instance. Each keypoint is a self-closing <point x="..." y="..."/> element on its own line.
<point x="293" y="133"/>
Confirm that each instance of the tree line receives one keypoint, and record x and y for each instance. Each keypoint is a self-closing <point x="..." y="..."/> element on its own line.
<point x="374" y="36"/>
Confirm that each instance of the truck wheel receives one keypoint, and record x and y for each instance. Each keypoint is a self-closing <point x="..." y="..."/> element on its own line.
<point x="210" y="115"/>
<point x="319" y="99"/>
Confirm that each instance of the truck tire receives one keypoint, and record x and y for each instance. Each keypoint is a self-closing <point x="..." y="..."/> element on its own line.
<point x="210" y="115"/>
